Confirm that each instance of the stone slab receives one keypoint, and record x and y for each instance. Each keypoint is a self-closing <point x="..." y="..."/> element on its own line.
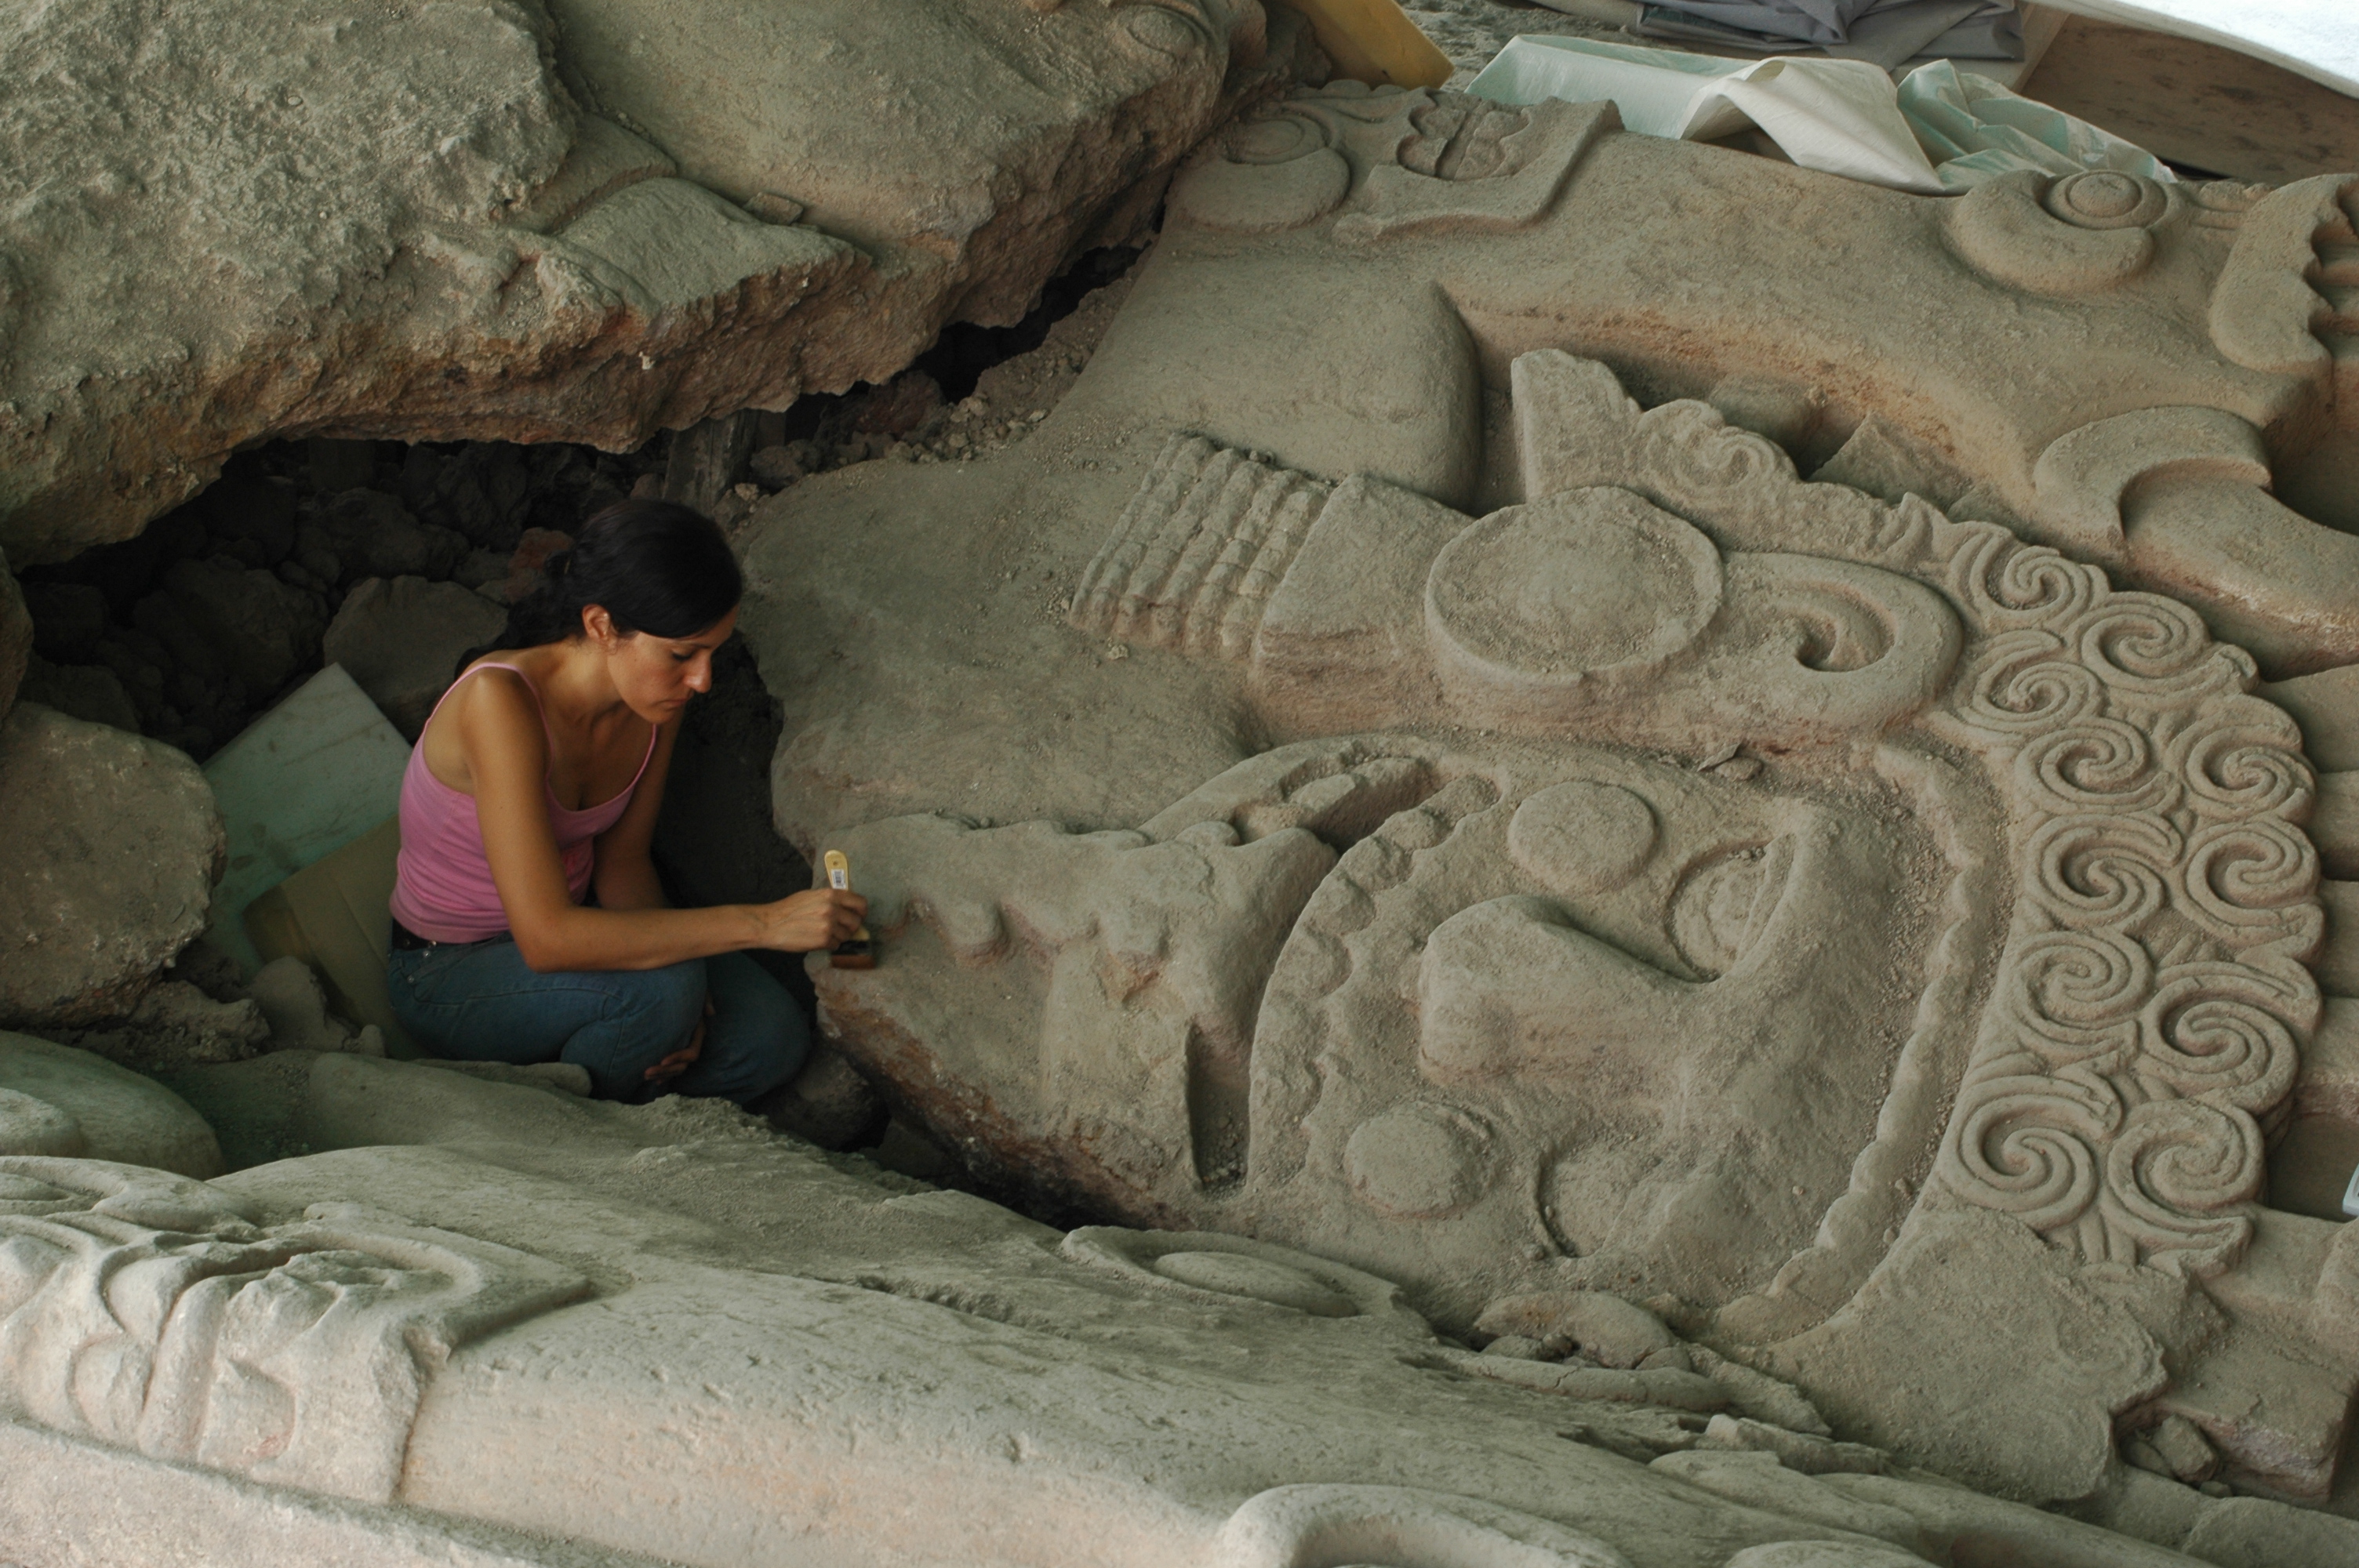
<point x="115" y="1114"/>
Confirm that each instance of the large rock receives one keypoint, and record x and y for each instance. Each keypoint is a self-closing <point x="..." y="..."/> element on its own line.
<point x="243" y="622"/>
<point x="106" y="867"/>
<point x="372" y="535"/>
<point x="401" y="641"/>
<point x="15" y="636"/>
<point x="57" y="1100"/>
<point x="91" y="692"/>
<point x="330" y="218"/>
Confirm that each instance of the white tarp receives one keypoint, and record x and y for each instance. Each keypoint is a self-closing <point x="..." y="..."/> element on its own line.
<point x="1941" y="130"/>
<point x="303" y="780"/>
<point x="1838" y="115"/>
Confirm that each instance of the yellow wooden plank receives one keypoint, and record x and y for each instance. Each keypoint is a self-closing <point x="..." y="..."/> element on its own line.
<point x="1373" y="41"/>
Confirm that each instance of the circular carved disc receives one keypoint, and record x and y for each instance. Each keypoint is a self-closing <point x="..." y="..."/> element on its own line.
<point x="1581" y="838"/>
<point x="1582" y="583"/>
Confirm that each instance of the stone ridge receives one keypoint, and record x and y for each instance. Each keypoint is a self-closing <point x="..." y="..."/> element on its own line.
<point x="398" y="221"/>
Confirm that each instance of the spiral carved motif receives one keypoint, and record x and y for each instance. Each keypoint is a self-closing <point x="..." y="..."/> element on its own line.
<point x="2025" y="682"/>
<point x="2174" y="1179"/>
<point x="2156" y="814"/>
<point x="2169" y="895"/>
<point x="2092" y="871"/>
<point x="2244" y="879"/>
<point x="2076" y="996"/>
<point x="2223" y="1031"/>
<point x="2018" y="1144"/>
<point x="2001" y="583"/>
<point x="2244" y="758"/>
<point x="1701" y="462"/>
<point x="2154" y="648"/>
<point x="2104" y="764"/>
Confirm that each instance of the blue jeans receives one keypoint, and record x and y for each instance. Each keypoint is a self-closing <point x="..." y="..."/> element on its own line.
<point x="477" y="1001"/>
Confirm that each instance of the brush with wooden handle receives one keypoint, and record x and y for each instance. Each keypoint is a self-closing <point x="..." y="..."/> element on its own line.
<point x="859" y="952"/>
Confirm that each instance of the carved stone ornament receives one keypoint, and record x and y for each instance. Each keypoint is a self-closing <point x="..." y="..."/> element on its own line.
<point x="1468" y="808"/>
<point x="1739" y="869"/>
<point x="148" y="1312"/>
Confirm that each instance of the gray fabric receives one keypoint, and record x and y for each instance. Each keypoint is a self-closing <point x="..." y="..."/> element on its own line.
<point x="1884" y="32"/>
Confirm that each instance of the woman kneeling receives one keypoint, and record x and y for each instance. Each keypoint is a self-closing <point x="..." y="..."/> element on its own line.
<point x="529" y="923"/>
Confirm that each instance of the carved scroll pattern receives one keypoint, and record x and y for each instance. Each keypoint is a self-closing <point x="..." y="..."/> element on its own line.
<point x="2151" y="1004"/>
<point x="1192" y="562"/>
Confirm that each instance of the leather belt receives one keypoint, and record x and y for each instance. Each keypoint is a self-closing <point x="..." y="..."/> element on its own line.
<point x="404" y="940"/>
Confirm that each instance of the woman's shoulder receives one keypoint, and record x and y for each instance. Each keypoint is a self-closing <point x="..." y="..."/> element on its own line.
<point x="491" y="703"/>
<point x="498" y="682"/>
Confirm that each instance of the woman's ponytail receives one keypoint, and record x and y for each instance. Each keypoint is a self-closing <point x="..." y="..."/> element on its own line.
<point x="653" y="565"/>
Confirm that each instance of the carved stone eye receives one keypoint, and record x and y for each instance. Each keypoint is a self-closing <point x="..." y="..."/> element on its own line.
<point x="1420" y="1162"/>
<point x="1278" y="139"/>
<point x="1583" y="838"/>
<point x="2106" y="199"/>
<point x="1157" y="29"/>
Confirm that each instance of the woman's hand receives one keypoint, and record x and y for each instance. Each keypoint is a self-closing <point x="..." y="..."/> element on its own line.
<point x="680" y="1061"/>
<point x="809" y="922"/>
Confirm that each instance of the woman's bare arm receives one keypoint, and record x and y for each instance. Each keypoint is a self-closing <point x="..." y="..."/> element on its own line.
<point x="506" y="750"/>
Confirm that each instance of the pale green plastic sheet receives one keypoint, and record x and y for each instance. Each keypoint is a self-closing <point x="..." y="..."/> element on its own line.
<point x="303" y="780"/>
<point x="1975" y="130"/>
<point x="1940" y="130"/>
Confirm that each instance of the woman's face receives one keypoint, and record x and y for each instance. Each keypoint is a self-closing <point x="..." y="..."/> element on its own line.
<point x="657" y="676"/>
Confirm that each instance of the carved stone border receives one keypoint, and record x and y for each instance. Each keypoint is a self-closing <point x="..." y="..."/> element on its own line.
<point x="2151" y="1002"/>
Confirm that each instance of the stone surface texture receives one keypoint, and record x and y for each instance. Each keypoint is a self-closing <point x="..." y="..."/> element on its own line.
<point x="96" y="1110"/>
<point x="106" y="867"/>
<point x="1419" y="775"/>
<point x="623" y="1264"/>
<point x="490" y="218"/>
<point x="1635" y="868"/>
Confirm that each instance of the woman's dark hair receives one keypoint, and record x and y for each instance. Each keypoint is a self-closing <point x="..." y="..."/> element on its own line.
<point x="656" y="565"/>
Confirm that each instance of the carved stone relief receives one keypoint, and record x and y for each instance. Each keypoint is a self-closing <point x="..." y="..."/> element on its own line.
<point x="1712" y="881"/>
<point x="148" y="1312"/>
<point x="2104" y="363"/>
<point x="2150" y="998"/>
<point x="749" y="1390"/>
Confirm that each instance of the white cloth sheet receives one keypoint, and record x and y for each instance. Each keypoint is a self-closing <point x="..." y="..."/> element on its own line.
<point x="1941" y="130"/>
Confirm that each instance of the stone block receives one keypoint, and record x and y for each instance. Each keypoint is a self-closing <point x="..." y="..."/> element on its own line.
<point x="118" y="876"/>
<point x="401" y="640"/>
<point x="259" y="630"/>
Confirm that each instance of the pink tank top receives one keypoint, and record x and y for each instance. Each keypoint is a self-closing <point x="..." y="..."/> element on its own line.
<point x="442" y="887"/>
